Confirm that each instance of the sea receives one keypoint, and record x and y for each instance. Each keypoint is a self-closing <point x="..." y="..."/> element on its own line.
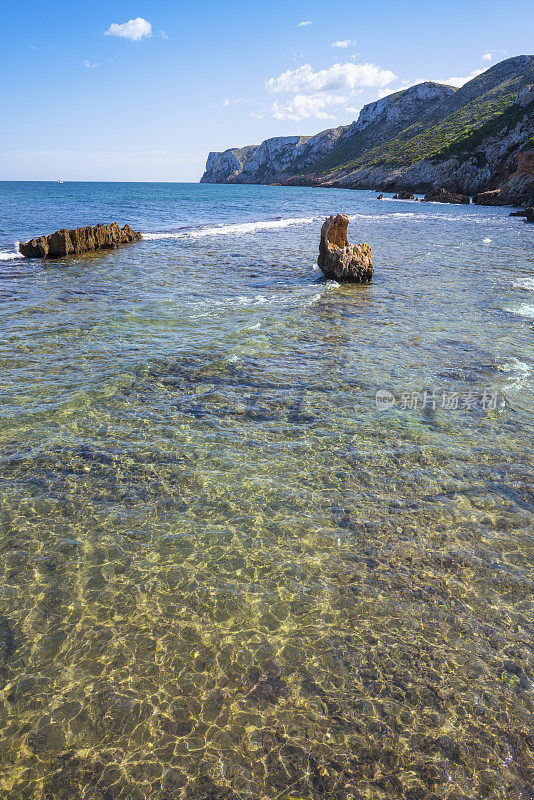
<point x="265" y="536"/>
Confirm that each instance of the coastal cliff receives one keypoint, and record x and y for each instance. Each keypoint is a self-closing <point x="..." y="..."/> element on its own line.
<point x="275" y="158"/>
<point x="468" y="140"/>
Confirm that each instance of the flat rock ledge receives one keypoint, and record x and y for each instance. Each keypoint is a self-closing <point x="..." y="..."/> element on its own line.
<point x="79" y="240"/>
<point x="338" y="258"/>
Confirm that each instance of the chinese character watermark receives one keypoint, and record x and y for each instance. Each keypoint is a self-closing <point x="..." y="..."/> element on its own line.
<point x="433" y="399"/>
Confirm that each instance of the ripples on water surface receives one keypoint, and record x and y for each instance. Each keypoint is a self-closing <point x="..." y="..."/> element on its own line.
<point x="225" y="574"/>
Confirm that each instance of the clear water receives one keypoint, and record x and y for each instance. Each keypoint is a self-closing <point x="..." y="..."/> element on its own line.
<point x="225" y="572"/>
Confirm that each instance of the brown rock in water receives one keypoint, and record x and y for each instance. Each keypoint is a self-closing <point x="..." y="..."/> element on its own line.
<point x="79" y="240"/>
<point x="338" y="258"/>
<point x="404" y="196"/>
<point x="380" y="197"/>
<point x="491" y="198"/>
<point x="530" y="214"/>
<point x="443" y="196"/>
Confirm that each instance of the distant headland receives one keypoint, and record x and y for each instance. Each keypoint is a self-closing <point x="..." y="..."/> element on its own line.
<point x="470" y="140"/>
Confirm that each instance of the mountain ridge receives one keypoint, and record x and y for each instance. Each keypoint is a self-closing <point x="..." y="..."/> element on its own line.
<point x="428" y="135"/>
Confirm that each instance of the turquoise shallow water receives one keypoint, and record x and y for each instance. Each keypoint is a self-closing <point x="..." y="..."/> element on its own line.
<point x="225" y="572"/>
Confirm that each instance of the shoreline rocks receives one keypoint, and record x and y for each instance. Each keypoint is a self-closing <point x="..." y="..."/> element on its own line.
<point x="338" y="258"/>
<point x="404" y="196"/>
<point x="67" y="242"/>
<point x="443" y="196"/>
<point x="519" y="189"/>
<point x="490" y="198"/>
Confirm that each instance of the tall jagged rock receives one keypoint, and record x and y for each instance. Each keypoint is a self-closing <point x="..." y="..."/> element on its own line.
<point x="338" y="258"/>
<point x="79" y="240"/>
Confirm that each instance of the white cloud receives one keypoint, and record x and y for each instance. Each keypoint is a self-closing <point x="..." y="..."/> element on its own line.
<point x="458" y="80"/>
<point x="343" y="43"/>
<point x="304" y="106"/>
<point x="336" y="78"/>
<point x="89" y="64"/>
<point x="304" y="23"/>
<point x="491" y="54"/>
<point x="134" y="29"/>
<point x="229" y="102"/>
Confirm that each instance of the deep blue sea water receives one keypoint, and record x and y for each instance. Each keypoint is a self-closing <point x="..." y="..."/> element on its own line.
<point x="226" y="572"/>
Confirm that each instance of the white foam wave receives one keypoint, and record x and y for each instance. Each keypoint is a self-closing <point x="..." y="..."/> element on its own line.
<point x="523" y="310"/>
<point x="232" y="228"/>
<point x="11" y="254"/>
<point x="525" y="283"/>
<point x="486" y="240"/>
<point x="519" y="376"/>
<point x="411" y="215"/>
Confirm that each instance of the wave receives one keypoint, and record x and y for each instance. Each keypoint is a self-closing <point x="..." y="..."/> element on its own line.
<point x="525" y="283"/>
<point x="235" y="228"/>
<point x="239" y="228"/>
<point x="11" y="254"/>
<point x="523" y="310"/>
<point x="430" y="215"/>
<point x="518" y="382"/>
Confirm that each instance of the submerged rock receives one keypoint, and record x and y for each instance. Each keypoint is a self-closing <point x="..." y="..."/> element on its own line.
<point x="521" y="213"/>
<point x="338" y="258"/>
<point x="266" y="683"/>
<point x="529" y="214"/>
<point x="79" y="240"/>
<point x="7" y="641"/>
<point x="443" y="196"/>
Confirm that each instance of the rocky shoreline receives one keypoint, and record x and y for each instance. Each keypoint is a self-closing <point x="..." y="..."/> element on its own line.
<point x="517" y="190"/>
<point x="475" y="141"/>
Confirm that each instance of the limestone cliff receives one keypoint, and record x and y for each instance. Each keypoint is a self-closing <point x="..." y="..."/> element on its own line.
<point x="468" y="140"/>
<point x="274" y="159"/>
<point x="269" y="160"/>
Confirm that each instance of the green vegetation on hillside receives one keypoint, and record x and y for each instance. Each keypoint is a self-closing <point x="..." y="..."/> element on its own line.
<point x="456" y="126"/>
<point x="464" y="146"/>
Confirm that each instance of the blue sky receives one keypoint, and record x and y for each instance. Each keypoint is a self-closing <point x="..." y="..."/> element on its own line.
<point x="143" y="90"/>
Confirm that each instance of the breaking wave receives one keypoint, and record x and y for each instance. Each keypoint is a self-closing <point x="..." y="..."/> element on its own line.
<point x="525" y="283"/>
<point x="240" y="228"/>
<point x="232" y="228"/>
<point x="11" y="254"/>
<point x="523" y="310"/>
